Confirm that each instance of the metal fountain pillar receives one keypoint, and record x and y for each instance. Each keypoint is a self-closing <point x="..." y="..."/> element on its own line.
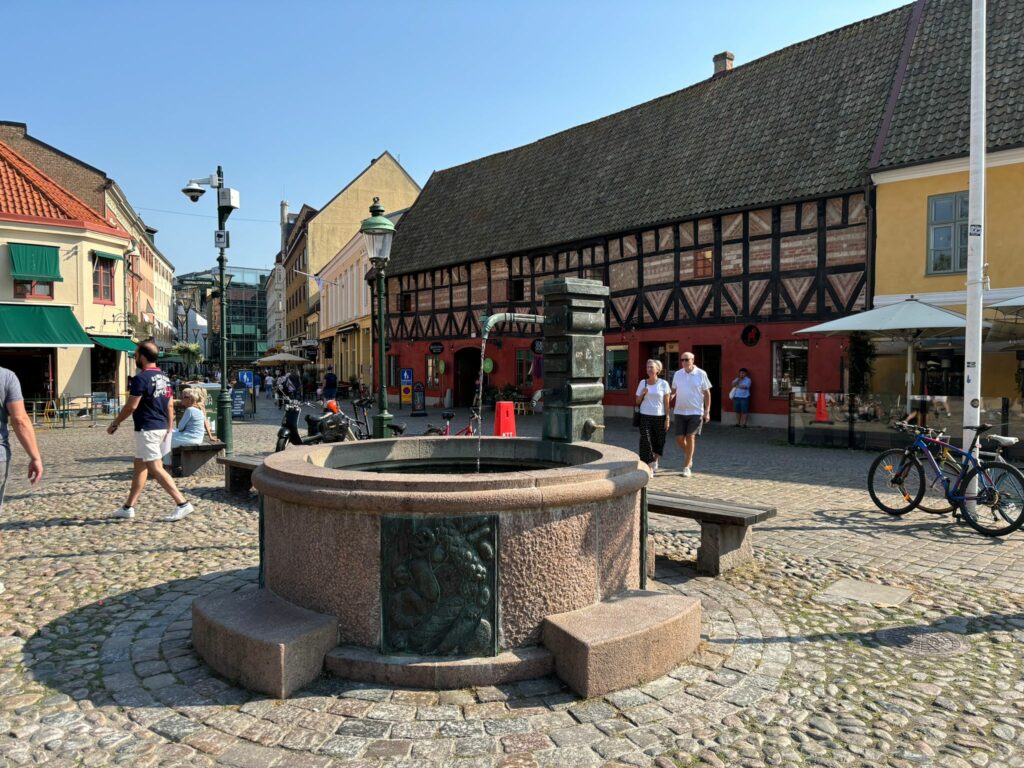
<point x="574" y="320"/>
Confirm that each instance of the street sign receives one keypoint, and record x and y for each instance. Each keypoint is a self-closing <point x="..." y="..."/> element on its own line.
<point x="436" y="347"/>
<point x="419" y="400"/>
<point x="245" y="377"/>
<point x="405" y="396"/>
<point x="405" y="376"/>
<point x="221" y="239"/>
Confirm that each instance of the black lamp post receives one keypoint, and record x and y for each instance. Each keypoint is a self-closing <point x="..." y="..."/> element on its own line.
<point x="227" y="201"/>
<point x="378" y="232"/>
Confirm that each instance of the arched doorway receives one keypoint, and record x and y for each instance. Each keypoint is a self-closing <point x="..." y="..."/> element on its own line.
<point x="467" y="370"/>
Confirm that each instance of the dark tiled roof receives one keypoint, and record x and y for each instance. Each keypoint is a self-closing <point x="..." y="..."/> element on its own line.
<point x="796" y="123"/>
<point x="932" y="117"/>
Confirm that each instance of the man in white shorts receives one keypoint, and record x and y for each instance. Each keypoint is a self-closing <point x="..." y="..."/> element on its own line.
<point x="151" y="406"/>
<point x="691" y="389"/>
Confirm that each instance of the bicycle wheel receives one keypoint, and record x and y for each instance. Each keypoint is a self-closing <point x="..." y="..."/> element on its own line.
<point x="996" y="506"/>
<point x="935" y="500"/>
<point x="896" y="481"/>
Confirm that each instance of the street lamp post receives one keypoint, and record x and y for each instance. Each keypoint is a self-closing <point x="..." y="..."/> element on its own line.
<point x="227" y="201"/>
<point x="378" y="231"/>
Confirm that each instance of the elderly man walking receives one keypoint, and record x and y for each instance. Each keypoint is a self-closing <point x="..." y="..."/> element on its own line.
<point x="692" y="392"/>
<point x="151" y="407"/>
<point x="12" y="411"/>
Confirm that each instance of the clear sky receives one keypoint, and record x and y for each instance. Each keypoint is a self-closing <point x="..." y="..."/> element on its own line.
<point x="294" y="99"/>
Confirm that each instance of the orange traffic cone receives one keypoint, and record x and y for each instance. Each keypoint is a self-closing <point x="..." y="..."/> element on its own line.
<point x="504" y="419"/>
<point x="821" y="412"/>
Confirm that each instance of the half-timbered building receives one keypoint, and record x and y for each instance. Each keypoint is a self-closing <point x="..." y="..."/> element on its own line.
<point x="723" y="217"/>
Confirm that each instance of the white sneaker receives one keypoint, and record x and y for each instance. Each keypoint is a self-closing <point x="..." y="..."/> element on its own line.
<point x="653" y="465"/>
<point x="124" y="513"/>
<point x="181" y="511"/>
<point x="687" y="472"/>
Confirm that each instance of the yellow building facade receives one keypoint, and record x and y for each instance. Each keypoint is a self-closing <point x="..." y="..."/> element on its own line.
<point x="921" y="251"/>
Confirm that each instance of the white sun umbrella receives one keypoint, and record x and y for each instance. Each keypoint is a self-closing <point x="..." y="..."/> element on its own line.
<point x="909" y="320"/>
<point x="1013" y="306"/>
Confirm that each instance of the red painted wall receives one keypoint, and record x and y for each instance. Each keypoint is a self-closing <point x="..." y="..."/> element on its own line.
<point x="823" y="359"/>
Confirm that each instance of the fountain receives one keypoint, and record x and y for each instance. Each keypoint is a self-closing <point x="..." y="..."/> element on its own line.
<point x="446" y="563"/>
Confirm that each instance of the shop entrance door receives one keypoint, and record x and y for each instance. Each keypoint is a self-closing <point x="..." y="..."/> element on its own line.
<point x="709" y="357"/>
<point x="467" y="370"/>
<point x="665" y="351"/>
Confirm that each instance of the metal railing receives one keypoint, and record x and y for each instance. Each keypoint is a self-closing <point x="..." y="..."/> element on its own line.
<point x="841" y="420"/>
<point x="72" y="410"/>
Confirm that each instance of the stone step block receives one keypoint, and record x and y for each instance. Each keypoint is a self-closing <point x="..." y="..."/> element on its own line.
<point x="440" y="673"/>
<point x="261" y="641"/>
<point x="632" y="638"/>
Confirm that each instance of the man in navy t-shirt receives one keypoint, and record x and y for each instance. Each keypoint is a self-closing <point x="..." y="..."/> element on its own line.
<point x="151" y="406"/>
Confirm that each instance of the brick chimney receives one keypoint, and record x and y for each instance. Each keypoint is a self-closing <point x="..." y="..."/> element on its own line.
<point x="723" y="62"/>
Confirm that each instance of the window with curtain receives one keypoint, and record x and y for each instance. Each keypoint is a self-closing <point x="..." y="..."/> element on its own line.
<point x="103" y="281"/>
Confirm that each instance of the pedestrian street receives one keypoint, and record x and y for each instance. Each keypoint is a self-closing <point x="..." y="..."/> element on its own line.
<point x="96" y="666"/>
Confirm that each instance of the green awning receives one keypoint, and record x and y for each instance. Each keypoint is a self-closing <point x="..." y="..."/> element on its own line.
<point x="35" y="262"/>
<point x="105" y="255"/>
<point x="32" y="326"/>
<point x="117" y="343"/>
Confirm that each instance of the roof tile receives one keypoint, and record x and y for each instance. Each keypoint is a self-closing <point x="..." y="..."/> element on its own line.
<point x="27" y="191"/>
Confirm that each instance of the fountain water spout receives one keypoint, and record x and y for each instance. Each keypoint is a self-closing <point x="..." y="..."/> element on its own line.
<point x="487" y="322"/>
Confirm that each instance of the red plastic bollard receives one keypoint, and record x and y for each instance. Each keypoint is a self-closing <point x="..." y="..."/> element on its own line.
<point x="821" y="412"/>
<point x="504" y="419"/>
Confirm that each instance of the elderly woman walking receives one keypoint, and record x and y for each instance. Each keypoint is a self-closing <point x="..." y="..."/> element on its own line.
<point x="652" y="396"/>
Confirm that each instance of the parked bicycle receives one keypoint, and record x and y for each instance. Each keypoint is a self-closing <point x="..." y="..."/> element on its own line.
<point x="988" y="494"/>
<point x="446" y="430"/>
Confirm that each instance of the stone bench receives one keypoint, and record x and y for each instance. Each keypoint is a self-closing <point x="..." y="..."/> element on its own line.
<point x="260" y="641"/>
<point x="188" y="460"/>
<point x="238" y="471"/>
<point x="629" y="639"/>
<point x="725" y="528"/>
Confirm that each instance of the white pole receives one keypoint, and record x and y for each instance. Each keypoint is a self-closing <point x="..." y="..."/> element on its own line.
<point x="975" y="220"/>
<point x="910" y="375"/>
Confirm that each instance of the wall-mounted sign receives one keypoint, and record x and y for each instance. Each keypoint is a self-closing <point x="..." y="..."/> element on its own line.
<point x="750" y="335"/>
<point x="537" y="346"/>
<point x="436" y="347"/>
<point x="441" y="367"/>
<point x="488" y="365"/>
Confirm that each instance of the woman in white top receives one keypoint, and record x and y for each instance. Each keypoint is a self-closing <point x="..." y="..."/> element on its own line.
<point x="652" y="397"/>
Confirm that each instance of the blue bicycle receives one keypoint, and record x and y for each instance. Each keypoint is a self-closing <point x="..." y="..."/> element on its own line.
<point x="987" y="495"/>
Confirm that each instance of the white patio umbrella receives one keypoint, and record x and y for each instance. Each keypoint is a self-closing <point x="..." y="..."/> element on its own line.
<point x="1013" y="306"/>
<point x="281" y="358"/>
<point x="909" y="320"/>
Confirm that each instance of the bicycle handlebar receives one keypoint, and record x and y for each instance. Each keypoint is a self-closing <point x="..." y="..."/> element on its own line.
<point x="902" y="426"/>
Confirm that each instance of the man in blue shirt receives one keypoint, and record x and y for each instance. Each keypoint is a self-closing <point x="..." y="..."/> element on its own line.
<point x="151" y="406"/>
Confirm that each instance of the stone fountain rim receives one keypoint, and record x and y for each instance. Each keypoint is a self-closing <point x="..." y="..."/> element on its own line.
<point x="294" y="475"/>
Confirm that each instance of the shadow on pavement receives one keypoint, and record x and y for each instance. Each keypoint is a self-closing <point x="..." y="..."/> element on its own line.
<point x="134" y="649"/>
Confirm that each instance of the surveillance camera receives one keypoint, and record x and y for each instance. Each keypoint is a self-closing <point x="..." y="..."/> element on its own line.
<point x="193" y="191"/>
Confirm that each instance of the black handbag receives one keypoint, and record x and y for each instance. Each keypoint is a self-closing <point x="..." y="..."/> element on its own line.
<point x="636" y="417"/>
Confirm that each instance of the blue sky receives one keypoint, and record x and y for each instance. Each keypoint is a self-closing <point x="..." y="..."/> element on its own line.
<point x="295" y="99"/>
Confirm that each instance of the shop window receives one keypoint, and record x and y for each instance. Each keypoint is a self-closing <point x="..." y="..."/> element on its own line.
<point x="616" y="361"/>
<point x="433" y="379"/>
<point x="947" y="233"/>
<point x="789" y="368"/>
<point x="703" y="264"/>
<point x="524" y="368"/>
<point x="33" y="289"/>
<point x="517" y="289"/>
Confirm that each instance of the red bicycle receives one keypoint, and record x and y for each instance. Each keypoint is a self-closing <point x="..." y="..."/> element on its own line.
<point x="446" y="431"/>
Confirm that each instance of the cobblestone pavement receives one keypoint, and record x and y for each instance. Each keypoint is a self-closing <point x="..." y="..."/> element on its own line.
<point x="96" y="667"/>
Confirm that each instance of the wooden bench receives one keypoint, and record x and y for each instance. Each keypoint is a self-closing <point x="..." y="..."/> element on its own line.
<point x="187" y="460"/>
<point x="725" y="527"/>
<point x="238" y="471"/>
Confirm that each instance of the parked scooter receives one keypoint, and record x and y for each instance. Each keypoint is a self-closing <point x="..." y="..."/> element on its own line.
<point x="331" y="426"/>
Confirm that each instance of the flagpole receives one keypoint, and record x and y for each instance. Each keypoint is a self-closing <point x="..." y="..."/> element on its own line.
<point x="975" y="222"/>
